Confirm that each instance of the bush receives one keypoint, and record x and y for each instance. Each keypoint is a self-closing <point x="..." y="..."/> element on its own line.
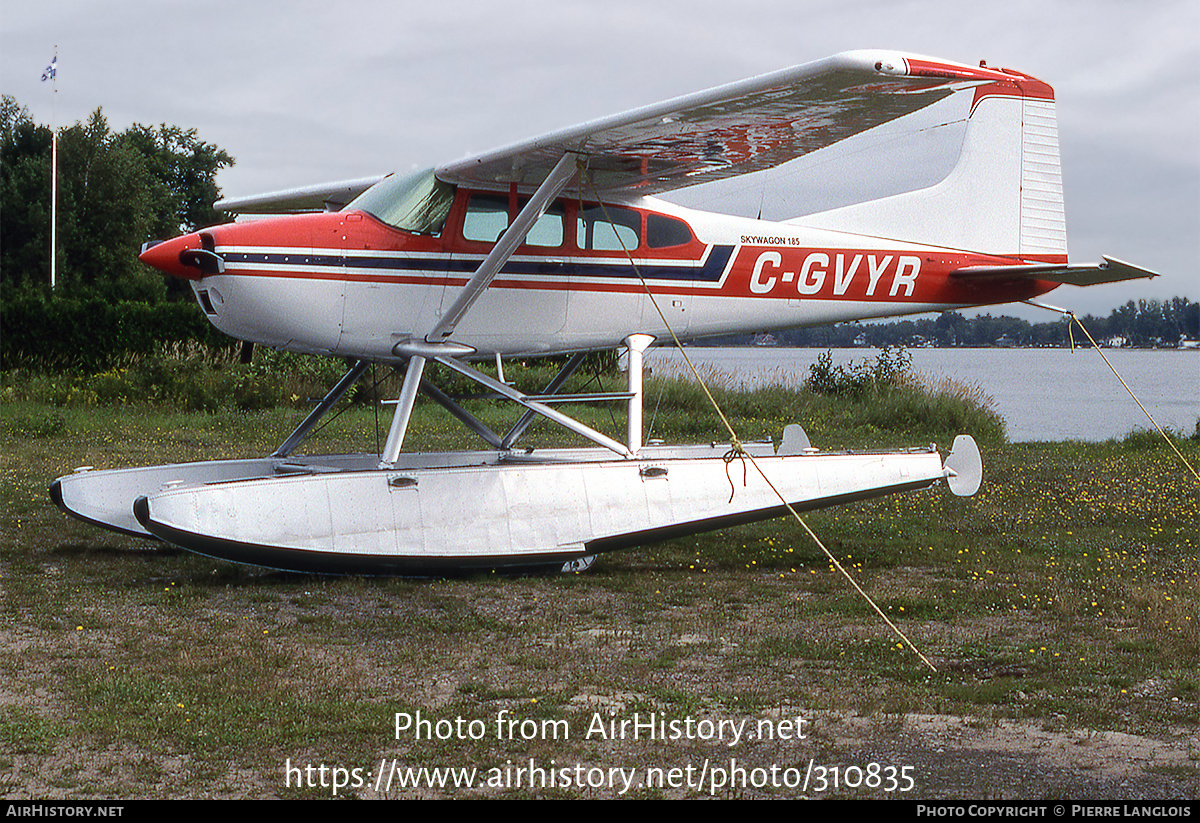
<point x="886" y="394"/>
<point x="61" y="333"/>
<point x="892" y="368"/>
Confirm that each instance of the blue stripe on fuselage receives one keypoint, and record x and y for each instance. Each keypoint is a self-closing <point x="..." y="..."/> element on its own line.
<point x="709" y="272"/>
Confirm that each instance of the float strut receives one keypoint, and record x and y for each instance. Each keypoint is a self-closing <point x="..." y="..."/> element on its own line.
<point x="636" y="345"/>
<point x="335" y="394"/>
<point x="404" y="407"/>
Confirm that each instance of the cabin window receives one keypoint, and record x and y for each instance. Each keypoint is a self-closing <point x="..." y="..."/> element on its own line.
<point x="549" y="229"/>
<point x="662" y="231"/>
<point x="487" y="218"/>
<point x="417" y="203"/>
<point x="608" y="229"/>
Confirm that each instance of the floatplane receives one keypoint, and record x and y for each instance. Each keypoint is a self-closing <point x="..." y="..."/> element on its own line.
<point x="559" y="245"/>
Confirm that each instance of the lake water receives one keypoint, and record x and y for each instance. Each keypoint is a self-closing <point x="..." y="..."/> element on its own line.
<point x="1043" y="394"/>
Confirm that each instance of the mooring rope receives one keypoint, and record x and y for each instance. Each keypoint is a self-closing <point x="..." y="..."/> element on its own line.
<point x="736" y="449"/>
<point x="1075" y="319"/>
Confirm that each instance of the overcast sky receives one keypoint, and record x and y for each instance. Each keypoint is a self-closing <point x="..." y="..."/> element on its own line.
<point x="304" y="92"/>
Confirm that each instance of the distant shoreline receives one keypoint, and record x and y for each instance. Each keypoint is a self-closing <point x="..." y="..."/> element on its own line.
<point x="699" y="344"/>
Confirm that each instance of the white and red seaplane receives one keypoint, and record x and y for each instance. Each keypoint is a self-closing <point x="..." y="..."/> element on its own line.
<point x="558" y="245"/>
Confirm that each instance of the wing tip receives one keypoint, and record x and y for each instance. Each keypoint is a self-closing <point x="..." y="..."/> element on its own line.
<point x="297" y="200"/>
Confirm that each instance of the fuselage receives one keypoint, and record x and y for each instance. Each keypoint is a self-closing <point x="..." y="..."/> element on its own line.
<point x="349" y="284"/>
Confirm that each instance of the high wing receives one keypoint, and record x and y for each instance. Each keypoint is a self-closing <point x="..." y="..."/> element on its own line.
<point x="730" y="130"/>
<point x="321" y="197"/>
<point x="726" y="131"/>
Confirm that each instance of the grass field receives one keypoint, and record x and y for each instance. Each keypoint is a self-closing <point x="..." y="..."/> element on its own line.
<point x="1059" y="606"/>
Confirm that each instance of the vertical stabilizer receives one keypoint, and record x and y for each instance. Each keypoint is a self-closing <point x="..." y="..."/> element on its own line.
<point x="1004" y="196"/>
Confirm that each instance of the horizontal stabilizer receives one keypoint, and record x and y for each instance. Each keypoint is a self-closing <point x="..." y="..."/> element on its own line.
<point x="321" y="197"/>
<point x="1110" y="271"/>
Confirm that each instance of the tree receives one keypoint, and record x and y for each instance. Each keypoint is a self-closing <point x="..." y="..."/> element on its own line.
<point x="115" y="192"/>
<point x="183" y="169"/>
<point x="24" y="197"/>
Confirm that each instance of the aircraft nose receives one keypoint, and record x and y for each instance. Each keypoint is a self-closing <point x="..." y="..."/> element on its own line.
<point x="180" y="257"/>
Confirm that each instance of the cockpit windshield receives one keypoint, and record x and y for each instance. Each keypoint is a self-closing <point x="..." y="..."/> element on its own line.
<point x="417" y="203"/>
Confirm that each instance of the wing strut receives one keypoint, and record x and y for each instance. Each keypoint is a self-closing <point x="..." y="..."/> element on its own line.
<point x="554" y="183"/>
<point x="437" y="340"/>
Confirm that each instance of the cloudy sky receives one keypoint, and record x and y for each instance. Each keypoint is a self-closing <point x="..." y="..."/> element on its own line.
<point x="304" y="92"/>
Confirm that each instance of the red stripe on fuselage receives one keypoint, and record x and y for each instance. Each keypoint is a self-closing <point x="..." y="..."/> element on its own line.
<point x="876" y="275"/>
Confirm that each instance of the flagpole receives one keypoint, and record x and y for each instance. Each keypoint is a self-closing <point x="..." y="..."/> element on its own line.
<point x="54" y="193"/>
<point x="52" y="71"/>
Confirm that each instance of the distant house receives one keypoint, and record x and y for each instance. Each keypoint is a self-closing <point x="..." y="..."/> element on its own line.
<point x="1115" y="342"/>
<point x="1006" y="342"/>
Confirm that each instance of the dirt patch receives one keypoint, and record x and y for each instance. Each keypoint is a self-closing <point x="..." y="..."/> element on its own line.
<point x="976" y="758"/>
<point x="539" y="650"/>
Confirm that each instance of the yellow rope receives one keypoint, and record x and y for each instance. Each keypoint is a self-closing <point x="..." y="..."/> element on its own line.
<point x="1070" y="334"/>
<point x="1165" y="436"/>
<point x="736" y="448"/>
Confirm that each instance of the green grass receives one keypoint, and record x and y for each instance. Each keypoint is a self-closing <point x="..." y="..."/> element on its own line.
<point x="1065" y="593"/>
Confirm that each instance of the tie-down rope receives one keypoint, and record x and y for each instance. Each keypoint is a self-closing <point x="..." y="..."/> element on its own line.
<point x="736" y="450"/>
<point x="1075" y="319"/>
